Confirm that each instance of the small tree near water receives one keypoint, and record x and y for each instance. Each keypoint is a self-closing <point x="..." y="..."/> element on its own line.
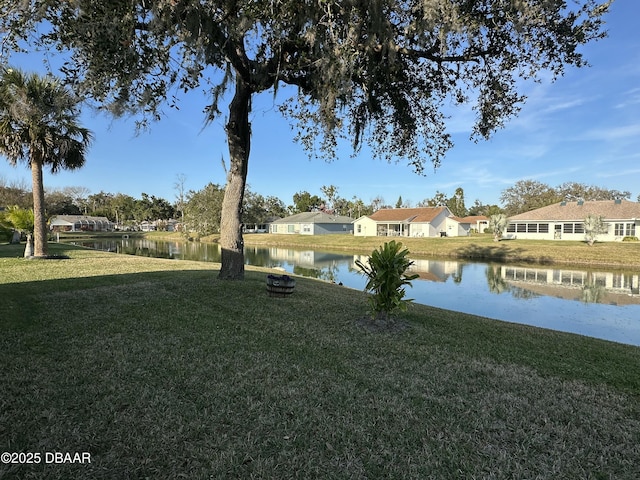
<point x="498" y="224"/>
<point x="387" y="277"/>
<point x="594" y="226"/>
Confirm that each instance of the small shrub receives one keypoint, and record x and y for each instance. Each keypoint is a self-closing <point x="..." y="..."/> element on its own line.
<point x="630" y="239"/>
<point x="386" y="271"/>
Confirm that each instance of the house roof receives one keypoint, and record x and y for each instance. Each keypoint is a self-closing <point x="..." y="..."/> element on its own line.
<point x="471" y="219"/>
<point x="609" y="209"/>
<point x="408" y="215"/>
<point x="314" y="217"/>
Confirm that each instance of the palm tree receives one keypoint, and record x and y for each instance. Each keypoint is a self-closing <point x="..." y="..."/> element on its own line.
<point x="38" y="125"/>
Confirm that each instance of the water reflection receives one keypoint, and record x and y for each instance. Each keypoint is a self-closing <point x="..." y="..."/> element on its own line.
<point x="614" y="288"/>
<point x="595" y="303"/>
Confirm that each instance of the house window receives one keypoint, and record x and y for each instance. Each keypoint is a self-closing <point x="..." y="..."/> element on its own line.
<point x="578" y="228"/>
<point x="619" y="229"/>
<point x="532" y="227"/>
<point x="521" y="227"/>
<point x="567" y="228"/>
<point x="511" y="227"/>
<point x="543" y="228"/>
<point x="631" y="230"/>
<point x="306" y="228"/>
<point x="359" y="228"/>
<point x="291" y="229"/>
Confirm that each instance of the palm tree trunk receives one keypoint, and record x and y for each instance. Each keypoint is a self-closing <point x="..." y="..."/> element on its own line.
<point x="40" y="247"/>
<point x="239" y="138"/>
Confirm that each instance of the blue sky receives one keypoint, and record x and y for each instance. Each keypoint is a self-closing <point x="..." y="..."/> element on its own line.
<point x="585" y="127"/>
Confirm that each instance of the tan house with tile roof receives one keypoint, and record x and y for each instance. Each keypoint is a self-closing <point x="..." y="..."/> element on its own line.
<point x="406" y="222"/>
<point x="564" y="220"/>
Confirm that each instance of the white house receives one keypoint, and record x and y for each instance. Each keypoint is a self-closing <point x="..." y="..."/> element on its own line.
<point x="312" y="223"/>
<point x="565" y="220"/>
<point x="80" y="223"/>
<point x="414" y="222"/>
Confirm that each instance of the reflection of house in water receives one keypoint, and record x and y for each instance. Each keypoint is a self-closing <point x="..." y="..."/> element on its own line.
<point x="307" y="258"/>
<point x="437" y="270"/>
<point x="432" y="270"/>
<point x="616" y="288"/>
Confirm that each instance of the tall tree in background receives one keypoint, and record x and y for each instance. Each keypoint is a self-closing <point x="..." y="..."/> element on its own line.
<point x="38" y="125"/>
<point x="203" y="210"/>
<point x="179" y="187"/>
<point x="456" y="203"/>
<point x="379" y="71"/>
<point x="438" y="200"/>
<point x="573" y="191"/>
<point x="305" y="202"/>
<point x="527" y="195"/>
<point x="15" y="193"/>
<point x="331" y="194"/>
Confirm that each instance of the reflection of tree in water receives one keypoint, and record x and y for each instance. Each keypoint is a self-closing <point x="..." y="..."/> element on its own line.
<point x="592" y="292"/>
<point x="258" y="256"/>
<point x="523" y="293"/>
<point x="329" y="273"/>
<point x="496" y="283"/>
<point x="457" y="277"/>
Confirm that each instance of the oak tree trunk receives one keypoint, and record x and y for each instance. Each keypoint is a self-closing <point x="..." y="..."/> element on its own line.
<point x="239" y="138"/>
<point x="40" y="247"/>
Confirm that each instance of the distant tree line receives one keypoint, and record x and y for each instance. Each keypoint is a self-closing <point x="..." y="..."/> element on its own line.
<point x="528" y="195"/>
<point x="200" y="210"/>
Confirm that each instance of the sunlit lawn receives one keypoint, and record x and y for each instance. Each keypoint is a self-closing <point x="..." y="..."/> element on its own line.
<point x="160" y="371"/>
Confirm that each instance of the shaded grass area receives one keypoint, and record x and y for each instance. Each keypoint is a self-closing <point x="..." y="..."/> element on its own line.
<point x="161" y="371"/>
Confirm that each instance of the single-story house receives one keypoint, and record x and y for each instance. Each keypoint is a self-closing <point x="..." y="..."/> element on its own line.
<point x="408" y="222"/>
<point x="462" y="226"/>
<point x="565" y="220"/>
<point x="148" y="226"/>
<point x="80" y="223"/>
<point x="312" y="223"/>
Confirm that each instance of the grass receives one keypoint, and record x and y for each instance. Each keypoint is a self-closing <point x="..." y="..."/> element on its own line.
<point x="160" y="371"/>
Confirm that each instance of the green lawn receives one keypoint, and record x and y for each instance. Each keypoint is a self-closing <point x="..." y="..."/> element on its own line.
<point x="160" y="371"/>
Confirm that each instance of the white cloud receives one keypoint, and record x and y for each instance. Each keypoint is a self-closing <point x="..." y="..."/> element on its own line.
<point x="614" y="133"/>
<point x="618" y="173"/>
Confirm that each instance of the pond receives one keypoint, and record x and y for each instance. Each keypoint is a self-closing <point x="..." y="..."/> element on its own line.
<point x="595" y="303"/>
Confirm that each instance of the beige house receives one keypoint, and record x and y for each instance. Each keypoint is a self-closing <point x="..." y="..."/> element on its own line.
<point x="407" y="222"/>
<point x="565" y="220"/>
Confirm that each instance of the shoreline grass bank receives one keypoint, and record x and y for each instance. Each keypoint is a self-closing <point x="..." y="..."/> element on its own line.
<point x="158" y="370"/>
